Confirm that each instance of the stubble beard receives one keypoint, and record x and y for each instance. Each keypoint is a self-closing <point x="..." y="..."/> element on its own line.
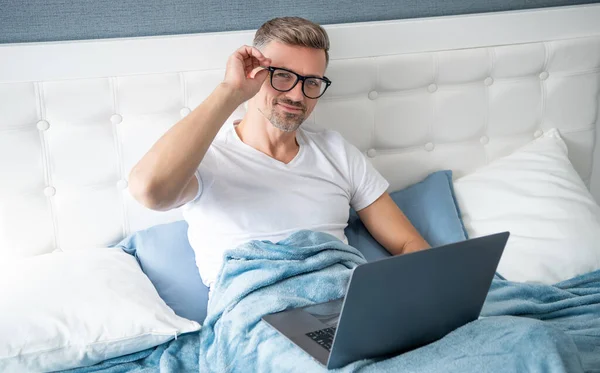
<point x="287" y="122"/>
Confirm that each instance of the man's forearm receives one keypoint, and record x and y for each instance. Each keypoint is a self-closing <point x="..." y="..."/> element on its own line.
<point x="414" y="245"/>
<point x="171" y="162"/>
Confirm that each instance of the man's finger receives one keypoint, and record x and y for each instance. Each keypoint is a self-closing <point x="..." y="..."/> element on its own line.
<point x="261" y="75"/>
<point x="255" y="71"/>
<point x="249" y="51"/>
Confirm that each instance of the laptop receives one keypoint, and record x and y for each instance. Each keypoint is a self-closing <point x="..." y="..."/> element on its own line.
<point x="397" y="304"/>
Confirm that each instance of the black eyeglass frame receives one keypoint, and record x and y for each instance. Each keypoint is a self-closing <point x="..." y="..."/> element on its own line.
<point x="299" y="77"/>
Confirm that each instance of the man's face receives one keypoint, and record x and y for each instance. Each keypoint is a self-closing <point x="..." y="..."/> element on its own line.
<point x="287" y="110"/>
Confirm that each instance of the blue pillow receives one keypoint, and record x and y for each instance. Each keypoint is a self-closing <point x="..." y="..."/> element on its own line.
<point x="166" y="257"/>
<point x="431" y="207"/>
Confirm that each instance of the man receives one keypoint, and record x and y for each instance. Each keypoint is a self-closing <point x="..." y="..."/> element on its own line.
<point x="265" y="177"/>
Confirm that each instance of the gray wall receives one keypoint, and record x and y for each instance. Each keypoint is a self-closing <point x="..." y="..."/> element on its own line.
<point x="50" y="20"/>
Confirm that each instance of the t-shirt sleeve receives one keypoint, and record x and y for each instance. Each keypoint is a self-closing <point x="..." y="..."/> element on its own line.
<point x="366" y="182"/>
<point x="203" y="172"/>
<point x="199" y="178"/>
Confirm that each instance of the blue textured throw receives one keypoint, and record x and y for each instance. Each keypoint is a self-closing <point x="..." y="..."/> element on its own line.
<point x="176" y="356"/>
<point x="525" y="328"/>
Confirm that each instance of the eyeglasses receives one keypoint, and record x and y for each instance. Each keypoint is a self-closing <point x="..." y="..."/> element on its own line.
<point x="284" y="80"/>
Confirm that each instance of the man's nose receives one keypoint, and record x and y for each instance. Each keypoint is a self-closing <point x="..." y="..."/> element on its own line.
<point x="296" y="93"/>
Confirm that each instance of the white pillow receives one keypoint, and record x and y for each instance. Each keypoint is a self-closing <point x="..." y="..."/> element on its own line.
<point x="77" y="308"/>
<point x="536" y="194"/>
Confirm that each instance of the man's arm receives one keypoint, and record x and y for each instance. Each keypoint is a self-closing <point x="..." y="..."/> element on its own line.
<point x="164" y="178"/>
<point x="390" y="227"/>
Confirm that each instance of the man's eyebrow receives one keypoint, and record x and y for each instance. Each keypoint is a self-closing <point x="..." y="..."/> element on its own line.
<point x="307" y="76"/>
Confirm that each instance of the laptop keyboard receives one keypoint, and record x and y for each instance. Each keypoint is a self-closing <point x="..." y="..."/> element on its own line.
<point x="323" y="337"/>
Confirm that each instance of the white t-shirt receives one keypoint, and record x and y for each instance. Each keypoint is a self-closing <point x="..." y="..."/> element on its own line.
<point x="246" y="195"/>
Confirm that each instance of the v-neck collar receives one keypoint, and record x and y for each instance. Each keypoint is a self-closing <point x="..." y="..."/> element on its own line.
<point x="299" y="140"/>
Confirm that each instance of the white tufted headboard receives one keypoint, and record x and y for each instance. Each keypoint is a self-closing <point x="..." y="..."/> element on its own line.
<point x="415" y="95"/>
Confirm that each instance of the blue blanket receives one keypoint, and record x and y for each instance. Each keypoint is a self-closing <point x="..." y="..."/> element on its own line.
<point x="533" y="328"/>
<point x="177" y="356"/>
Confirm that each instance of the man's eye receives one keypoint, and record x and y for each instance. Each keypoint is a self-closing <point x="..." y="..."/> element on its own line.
<point x="313" y="82"/>
<point x="283" y="75"/>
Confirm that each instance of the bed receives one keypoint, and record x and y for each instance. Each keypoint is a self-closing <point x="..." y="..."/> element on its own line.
<point x="415" y="96"/>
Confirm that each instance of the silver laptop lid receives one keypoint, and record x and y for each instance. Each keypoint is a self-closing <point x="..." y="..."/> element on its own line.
<point x="400" y="303"/>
